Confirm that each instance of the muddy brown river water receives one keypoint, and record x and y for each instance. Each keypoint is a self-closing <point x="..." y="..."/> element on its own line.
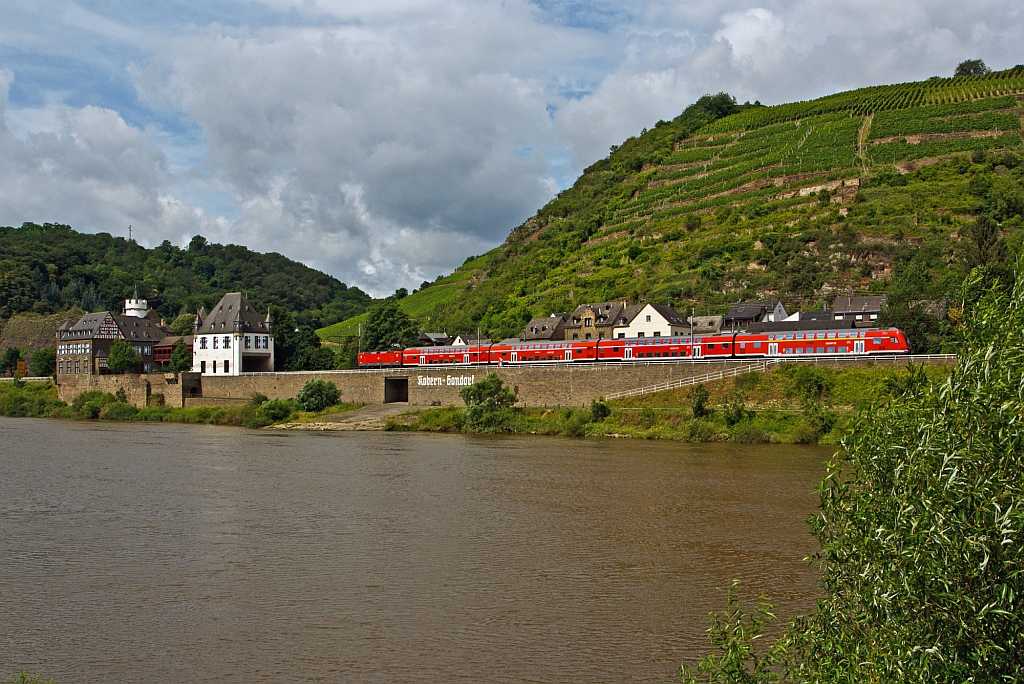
<point x="172" y="553"/>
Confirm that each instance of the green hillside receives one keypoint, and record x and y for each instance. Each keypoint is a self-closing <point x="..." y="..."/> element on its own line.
<point x="50" y="268"/>
<point x="900" y="189"/>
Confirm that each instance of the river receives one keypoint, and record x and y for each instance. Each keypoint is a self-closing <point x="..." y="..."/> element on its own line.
<point x="175" y="553"/>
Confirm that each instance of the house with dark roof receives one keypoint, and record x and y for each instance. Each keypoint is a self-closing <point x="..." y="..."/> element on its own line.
<point x="84" y="345"/>
<point x="546" y="327"/>
<point x="741" y="314"/>
<point x="650" y="320"/>
<point x="438" y="339"/>
<point x="863" y="310"/>
<point x="705" y="325"/>
<point x="233" y="338"/>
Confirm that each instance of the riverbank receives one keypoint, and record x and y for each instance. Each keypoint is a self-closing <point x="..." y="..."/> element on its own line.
<point x="39" y="400"/>
<point x="793" y="404"/>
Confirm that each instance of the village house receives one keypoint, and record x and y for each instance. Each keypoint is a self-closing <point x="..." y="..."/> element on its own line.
<point x="597" y="321"/>
<point x="705" y="325"/>
<point x="741" y="314"/>
<point x="863" y="310"/>
<point x="233" y="338"/>
<point x="84" y="346"/>
<point x="467" y="340"/>
<point x="650" y="320"/>
<point x="546" y="328"/>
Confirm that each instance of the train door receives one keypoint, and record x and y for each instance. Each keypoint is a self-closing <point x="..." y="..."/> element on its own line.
<point x="465" y="358"/>
<point x="568" y="354"/>
<point x="515" y="356"/>
<point x="628" y="352"/>
<point x="697" y="351"/>
<point x="858" y="346"/>
<point x="773" y="349"/>
<point x="423" y="360"/>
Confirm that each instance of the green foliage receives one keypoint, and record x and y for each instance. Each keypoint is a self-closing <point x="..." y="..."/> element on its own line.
<point x="489" y="405"/>
<point x="698" y="397"/>
<point x="734" y="409"/>
<point x="971" y="67"/>
<point x="44" y="362"/>
<point x="257" y="399"/>
<point x="121" y="396"/>
<point x="747" y="381"/>
<point x="118" y="411"/>
<point x="29" y="399"/>
<point x="919" y="531"/>
<point x="9" y="360"/>
<point x="388" y="327"/>
<point x="807" y="382"/>
<point x="123" y="358"/>
<point x="181" y="358"/>
<point x="51" y="268"/>
<point x="735" y="634"/>
<point x="277" y="410"/>
<point x="599" y="410"/>
<point x="182" y="325"/>
<point x="317" y="395"/>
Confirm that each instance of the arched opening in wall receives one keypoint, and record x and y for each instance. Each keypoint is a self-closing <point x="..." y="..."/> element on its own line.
<point x="396" y="390"/>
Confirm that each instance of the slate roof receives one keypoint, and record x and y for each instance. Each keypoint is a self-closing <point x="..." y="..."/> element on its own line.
<point x="234" y="314"/>
<point x="868" y="304"/>
<point x="146" y="329"/>
<point x="669" y="314"/>
<point x="706" y="325"/>
<point x="545" y="327"/>
<point x="748" y="311"/>
<point x="606" y="314"/>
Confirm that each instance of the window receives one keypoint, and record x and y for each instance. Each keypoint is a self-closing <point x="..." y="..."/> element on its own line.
<point x="266" y="342"/>
<point x="657" y="333"/>
<point x="77" y="366"/>
<point x="247" y="342"/>
<point x="202" y="343"/>
<point x="821" y="350"/>
<point x="85" y="367"/>
<point x="757" y="345"/>
<point x="202" y="366"/>
<point x="60" y="367"/>
<point x="214" y="366"/>
<point x="227" y="342"/>
<point x="639" y="334"/>
<point x="860" y="317"/>
<point x="622" y="335"/>
<point x="575" y="337"/>
<point x="214" y="344"/>
<point x="600" y="336"/>
<point x="225" y="366"/>
<point x="876" y="340"/>
<point x="588" y="336"/>
<point x="874" y="317"/>
<point x="648" y="319"/>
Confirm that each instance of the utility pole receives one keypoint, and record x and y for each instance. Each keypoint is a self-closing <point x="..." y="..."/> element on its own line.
<point x="129" y="233"/>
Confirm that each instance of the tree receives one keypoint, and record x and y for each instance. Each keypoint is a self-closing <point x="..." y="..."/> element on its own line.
<point x="182" y="325"/>
<point x="123" y="358"/>
<point x="699" y="401"/>
<point x="317" y="395"/>
<point x="388" y="327"/>
<point x="489" y="405"/>
<point x="919" y="530"/>
<point x="9" y="360"/>
<point x="181" y="359"/>
<point x="16" y="291"/>
<point x="971" y="67"/>
<point x="44" y="362"/>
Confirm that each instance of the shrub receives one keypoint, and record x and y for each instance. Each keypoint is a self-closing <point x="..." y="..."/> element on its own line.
<point x="575" y="424"/>
<point x="157" y="399"/>
<point x="257" y="399"/>
<point x="444" y="419"/>
<point x="489" y="406"/>
<point x="698" y="397"/>
<point x="747" y="381"/>
<point x="89" y="404"/>
<point x="121" y="396"/>
<point x="699" y="430"/>
<point x="748" y="433"/>
<point x="317" y="395"/>
<point x="118" y="411"/>
<point x="123" y="357"/>
<point x="599" y="410"/>
<point x="277" y="409"/>
<point x="735" y="409"/>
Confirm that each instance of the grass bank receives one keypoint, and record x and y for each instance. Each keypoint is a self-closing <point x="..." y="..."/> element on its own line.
<point x="791" y="404"/>
<point x="39" y="400"/>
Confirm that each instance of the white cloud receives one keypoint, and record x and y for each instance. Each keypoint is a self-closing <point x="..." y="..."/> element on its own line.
<point x="385" y="142"/>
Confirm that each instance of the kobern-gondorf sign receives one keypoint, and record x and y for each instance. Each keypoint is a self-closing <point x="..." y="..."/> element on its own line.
<point x="449" y="381"/>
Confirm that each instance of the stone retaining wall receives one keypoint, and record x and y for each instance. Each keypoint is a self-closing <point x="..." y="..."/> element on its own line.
<point x="137" y="388"/>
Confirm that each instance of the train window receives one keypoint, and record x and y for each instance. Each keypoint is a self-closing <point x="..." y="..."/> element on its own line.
<point x="831" y="336"/>
<point x="711" y="346"/>
<point x="820" y="350"/>
<point x="893" y="340"/>
<point x="876" y="340"/>
<point x="757" y="345"/>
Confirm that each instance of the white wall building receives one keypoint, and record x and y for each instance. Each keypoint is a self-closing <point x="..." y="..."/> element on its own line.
<point x="652" y="320"/>
<point x="233" y="339"/>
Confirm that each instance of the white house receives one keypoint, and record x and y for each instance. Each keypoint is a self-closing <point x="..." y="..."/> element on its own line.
<point x="233" y="339"/>
<point x="651" y="320"/>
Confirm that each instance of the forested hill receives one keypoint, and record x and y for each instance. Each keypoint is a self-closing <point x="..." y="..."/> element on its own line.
<point x="51" y="268"/>
<point x="900" y="189"/>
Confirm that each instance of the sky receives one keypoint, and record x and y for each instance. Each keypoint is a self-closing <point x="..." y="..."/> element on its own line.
<point x="384" y="142"/>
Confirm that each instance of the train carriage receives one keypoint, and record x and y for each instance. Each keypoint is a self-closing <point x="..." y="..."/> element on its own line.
<point x="859" y="341"/>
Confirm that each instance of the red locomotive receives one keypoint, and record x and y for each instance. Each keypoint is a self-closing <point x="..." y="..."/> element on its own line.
<point x="739" y="345"/>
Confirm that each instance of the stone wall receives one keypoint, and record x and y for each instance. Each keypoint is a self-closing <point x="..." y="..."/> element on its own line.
<point x="535" y="385"/>
<point x="137" y="388"/>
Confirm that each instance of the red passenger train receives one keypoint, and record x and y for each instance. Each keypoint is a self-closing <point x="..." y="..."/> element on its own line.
<point x="740" y="345"/>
